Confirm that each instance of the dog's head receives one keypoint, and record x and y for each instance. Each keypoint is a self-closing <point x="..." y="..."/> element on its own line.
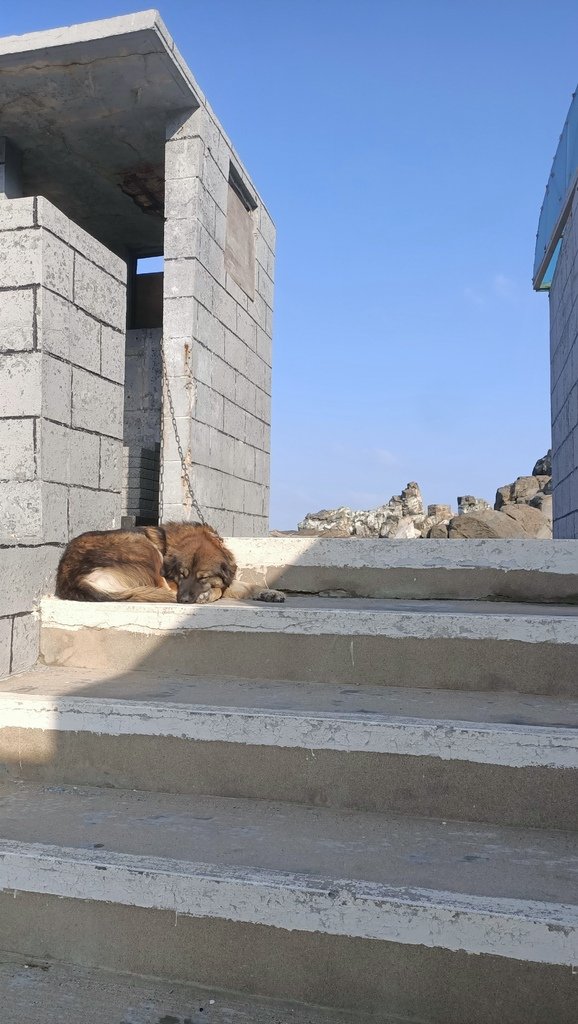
<point x="198" y="566"/>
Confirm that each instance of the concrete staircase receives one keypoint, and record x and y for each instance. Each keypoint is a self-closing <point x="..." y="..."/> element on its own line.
<point x="363" y="803"/>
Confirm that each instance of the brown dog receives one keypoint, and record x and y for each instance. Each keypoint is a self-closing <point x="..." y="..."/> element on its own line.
<point x="183" y="562"/>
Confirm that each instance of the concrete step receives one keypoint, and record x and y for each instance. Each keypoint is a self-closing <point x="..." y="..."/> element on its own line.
<point x="479" y="570"/>
<point x="38" y="991"/>
<point x="481" y="756"/>
<point x="344" y="909"/>
<point x="451" y="645"/>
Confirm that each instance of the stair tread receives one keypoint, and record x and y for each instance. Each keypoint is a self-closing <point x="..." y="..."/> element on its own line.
<point x="323" y="617"/>
<point x="454" y="857"/>
<point x="45" y="992"/>
<point x="306" y="698"/>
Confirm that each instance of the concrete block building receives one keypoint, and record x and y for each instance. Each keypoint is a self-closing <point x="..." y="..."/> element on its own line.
<point x="556" y="271"/>
<point x="120" y="392"/>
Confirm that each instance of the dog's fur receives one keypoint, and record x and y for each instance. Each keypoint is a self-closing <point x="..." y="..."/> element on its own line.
<point x="176" y="562"/>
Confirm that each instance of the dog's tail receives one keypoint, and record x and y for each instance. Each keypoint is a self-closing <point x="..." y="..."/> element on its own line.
<point x="156" y="595"/>
<point x="117" y="583"/>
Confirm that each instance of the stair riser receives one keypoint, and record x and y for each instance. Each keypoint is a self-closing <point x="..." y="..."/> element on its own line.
<point x="448" y="663"/>
<point x="412" y="981"/>
<point x="443" y="584"/>
<point x="419" y="786"/>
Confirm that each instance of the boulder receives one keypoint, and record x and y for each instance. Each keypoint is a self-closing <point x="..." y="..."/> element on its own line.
<point x="486" y="523"/>
<point x="439" y="531"/>
<point x="406" y="530"/>
<point x="468" y="504"/>
<point x="530" y="519"/>
<point x="524" y="489"/>
<point x="543" y="502"/>
<point x="440" y="511"/>
<point x="503" y="495"/>
<point x="543" y="466"/>
<point x="412" y="501"/>
<point x="328" y="520"/>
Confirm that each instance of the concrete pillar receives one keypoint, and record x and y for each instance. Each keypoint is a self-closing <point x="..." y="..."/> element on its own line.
<point x="217" y="327"/>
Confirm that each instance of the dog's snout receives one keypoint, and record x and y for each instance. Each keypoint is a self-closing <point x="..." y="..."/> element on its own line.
<point x="191" y="591"/>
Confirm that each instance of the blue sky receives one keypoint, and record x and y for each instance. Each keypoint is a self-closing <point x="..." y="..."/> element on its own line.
<point x="403" y="149"/>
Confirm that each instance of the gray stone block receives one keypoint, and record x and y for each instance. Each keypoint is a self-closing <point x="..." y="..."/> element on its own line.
<point x="25" y="641"/>
<point x="93" y="510"/>
<point x="209" y="330"/>
<point x="267" y="227"/>
<point x="54" y="513"/>
<point x="17" y="319"/>
<point x="184" y="158"/>
<point x="27" y="573"/>
<point x="99" y="294"/>
<point x="56" y="389"/>
<point x="112" y="354"/>
<point x="178" y="318"/>
<point x="181" y="239"/>
<point x="84" y="340"/>
<point x="208" y="407"/>
<point x="235" y="352"/>
<point x="188" y="199"/>
<point x="57" y="265"/>
<point x="55" y="452"/>
<point x="225" y="308"/>
<point x="20" y="511"/>
<point x="245" y="393"/>
<point x="20" y="384"/>
<point x="179" y="278"/>
<point x="246" y="328"/>
<point x="84" y="459"/>
<point x="97" y="404"/>
<point x="17" y="449"/>
<point x="223" y="378"/>
<point x="265" y="286"/>
<point x="16" y="213"/>
<point x="110" y="464"/>
<point x="54" y="314"/>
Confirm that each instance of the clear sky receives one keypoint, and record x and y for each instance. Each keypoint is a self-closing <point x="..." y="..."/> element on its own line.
<point x="403" y="149"/>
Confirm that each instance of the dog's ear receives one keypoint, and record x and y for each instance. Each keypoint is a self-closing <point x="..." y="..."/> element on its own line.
<point x="227" y="573"/>
<point x="173" y="568"/>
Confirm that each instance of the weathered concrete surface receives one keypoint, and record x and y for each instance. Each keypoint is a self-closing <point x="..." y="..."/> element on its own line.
<point x="513" y="570"/>
<point x="280" y="741"/>
<point x="44" y="992"/>
<point x="411" y="882"/>
<point x="412" y="982"/>
<point x="449" y="645"/>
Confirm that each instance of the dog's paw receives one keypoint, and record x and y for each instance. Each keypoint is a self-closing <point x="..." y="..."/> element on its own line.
<point x="204" y="597"/>
<point x="269" y="595"/>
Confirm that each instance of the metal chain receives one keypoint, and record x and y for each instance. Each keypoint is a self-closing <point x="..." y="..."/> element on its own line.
<point x="186" y="473"/>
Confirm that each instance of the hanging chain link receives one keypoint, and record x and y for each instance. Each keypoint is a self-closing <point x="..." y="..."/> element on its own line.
<point x="186" y="472"/>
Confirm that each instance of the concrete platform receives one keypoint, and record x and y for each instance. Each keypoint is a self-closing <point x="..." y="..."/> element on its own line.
<point x="229" y="883"/>
<point x="506" y="570"/>
<point x="481" y="756"/>
<point x="452" y="645"/>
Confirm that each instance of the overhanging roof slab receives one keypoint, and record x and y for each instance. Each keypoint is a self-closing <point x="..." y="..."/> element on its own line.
<point x="87" y="107"/>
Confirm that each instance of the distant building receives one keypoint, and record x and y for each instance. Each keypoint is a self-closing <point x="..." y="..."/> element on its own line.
<point x="556" y="271"/>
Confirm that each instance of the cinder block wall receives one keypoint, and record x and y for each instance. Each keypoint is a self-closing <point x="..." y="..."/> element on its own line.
<point x="564" y="381"/>
<point x="62" y="323"/>
<point x="217" y="327"/>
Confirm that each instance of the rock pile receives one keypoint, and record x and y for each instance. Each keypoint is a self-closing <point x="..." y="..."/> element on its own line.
<point x="521" y="509"/>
